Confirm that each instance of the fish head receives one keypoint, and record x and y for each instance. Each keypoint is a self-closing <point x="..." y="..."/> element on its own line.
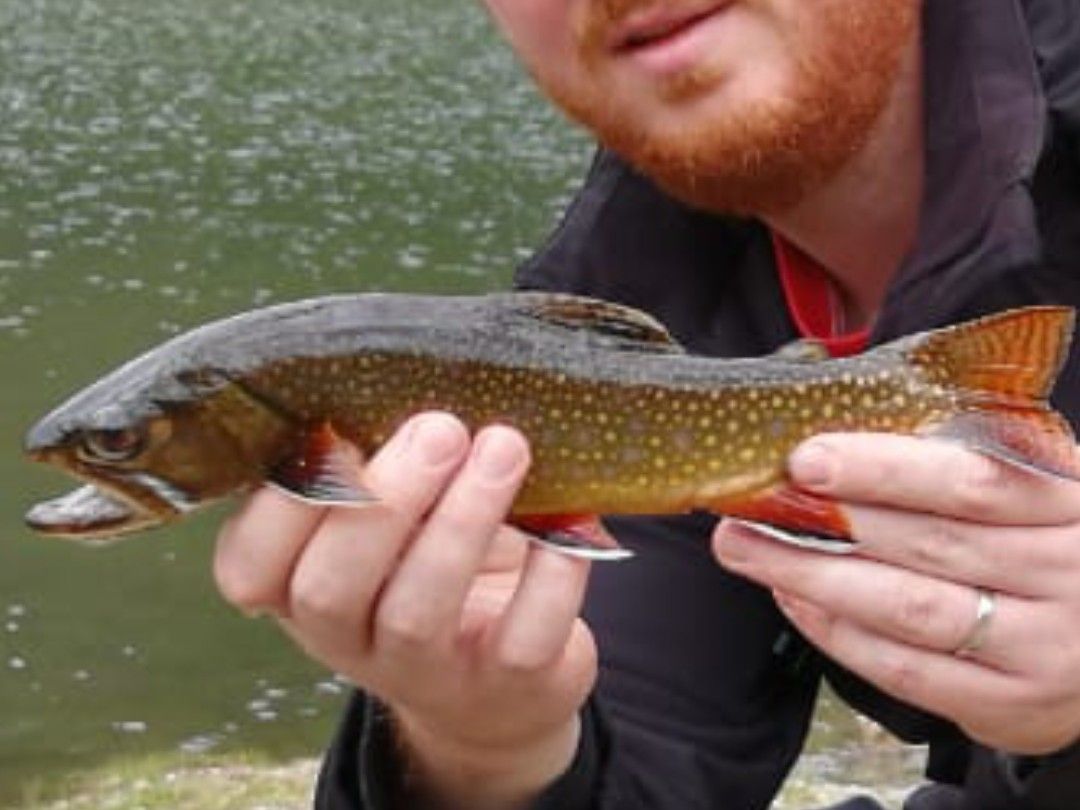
<point x="149" y="452"/>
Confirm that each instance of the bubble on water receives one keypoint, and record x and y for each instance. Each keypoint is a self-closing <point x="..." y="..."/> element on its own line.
<point x="276" y="693"/>
<point x="258" y="705"/>
<point x="12" y="627"/>
<point x="266" y="716"/>
<point x="15" y="611"/>
<point x="200" y="743"/>
<point x="129" y="651"/>
<point x="17" y="663"/>
<point x="130" y="726"/>
<point x="230" y="727"/>
<point x="81" y="675"/>
<point x="329" y="688"/>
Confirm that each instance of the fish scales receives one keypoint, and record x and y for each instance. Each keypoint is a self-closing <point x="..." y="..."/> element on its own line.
<point x="601" y="435"/>
<point x="619" y="418"/>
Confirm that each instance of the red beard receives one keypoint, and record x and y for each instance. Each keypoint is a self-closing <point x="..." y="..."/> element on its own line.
<point x="758" y="157"/>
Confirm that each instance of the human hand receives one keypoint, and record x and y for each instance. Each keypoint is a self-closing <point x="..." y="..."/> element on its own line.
<point x="934" y="523"/>
<point x="425" y="599"/>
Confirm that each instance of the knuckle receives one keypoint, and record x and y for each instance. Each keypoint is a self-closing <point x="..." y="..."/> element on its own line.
<point x="978" y="485"/>
<point x="520" y="661"/>
<point x="239" y="586"/>
<point x="936" y="547"/>
<point x="314" y="594"/>
<point x="918" y="611"/>
<point x="901" y="677"/>
<point x="405" y="626"/>
<point x="455" y="521"/>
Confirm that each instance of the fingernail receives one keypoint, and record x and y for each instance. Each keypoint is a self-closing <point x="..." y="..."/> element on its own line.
<point x="436" y="438"/>
<point x="497" y="455"/>
<point x="813" y="465"/>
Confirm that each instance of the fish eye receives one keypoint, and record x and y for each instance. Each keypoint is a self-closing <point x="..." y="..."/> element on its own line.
<point x="112" y="444"/>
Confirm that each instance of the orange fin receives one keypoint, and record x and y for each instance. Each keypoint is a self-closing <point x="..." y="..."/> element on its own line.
<point x="581" y="536"/>
<point x="1036" y="440"/>
<point x="324" y="469"/>
<point x="793" y="516"/>
<point x="1004" y="367"/>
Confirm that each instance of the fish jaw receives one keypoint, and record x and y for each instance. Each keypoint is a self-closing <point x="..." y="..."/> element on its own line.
<point x="110" y="503"/>
<point x="90" y="513"/>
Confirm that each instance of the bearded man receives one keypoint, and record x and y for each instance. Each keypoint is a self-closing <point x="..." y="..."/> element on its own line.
<point x="846" y="170"/>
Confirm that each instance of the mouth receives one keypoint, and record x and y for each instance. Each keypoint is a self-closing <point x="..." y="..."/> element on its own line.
<point x="97" y="511"/>
<point x="659" y="26"/>
<point x="91" y="513"/>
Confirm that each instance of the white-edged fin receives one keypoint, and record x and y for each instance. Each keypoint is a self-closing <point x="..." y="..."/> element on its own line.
<point x="568" y="545"/>
<point x="326" y="493"/>
<point x="829" y="545"/>
<point x="324" y="470"/>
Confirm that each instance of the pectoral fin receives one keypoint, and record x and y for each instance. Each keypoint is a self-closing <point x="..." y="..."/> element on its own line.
<point x="324" y="469"/>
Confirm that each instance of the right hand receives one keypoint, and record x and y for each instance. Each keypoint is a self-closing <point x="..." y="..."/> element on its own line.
<point x="427" y="600"/>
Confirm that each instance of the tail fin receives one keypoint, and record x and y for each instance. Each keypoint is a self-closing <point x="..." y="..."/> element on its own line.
<point x="1004" y="367"/>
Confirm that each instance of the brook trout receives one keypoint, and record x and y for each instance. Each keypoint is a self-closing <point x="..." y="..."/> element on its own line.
<point x="619" y="418"/>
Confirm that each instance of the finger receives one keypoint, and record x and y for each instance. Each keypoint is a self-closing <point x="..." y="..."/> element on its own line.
<point x="942" y="477"/>
<point x="958" y="688"/>
<point x="537" y="623"/>
<point x="422" y="603"/>
<point x="892" y="602"/>
<point x="1036" y="562"/>
<point x="347" y="561"/>
<point x="508" y="552"/>
<point x="258" y="547"/>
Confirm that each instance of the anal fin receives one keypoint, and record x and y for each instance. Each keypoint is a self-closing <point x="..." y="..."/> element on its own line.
<point x="323" y="469"/>
<point x="1034" y="439"/>
<point x="581" y="536"/>
<point x="791" y="515"/>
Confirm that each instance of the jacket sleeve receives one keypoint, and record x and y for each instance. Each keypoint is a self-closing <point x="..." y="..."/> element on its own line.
<point x="965" y="775"/>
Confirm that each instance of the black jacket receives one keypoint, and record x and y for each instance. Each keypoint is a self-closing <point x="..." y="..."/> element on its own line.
<point x="705" y="692"/>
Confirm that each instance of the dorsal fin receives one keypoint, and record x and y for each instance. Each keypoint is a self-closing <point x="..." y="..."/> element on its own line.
<point x="624" y="327"/>
<point x="802" y="350"/>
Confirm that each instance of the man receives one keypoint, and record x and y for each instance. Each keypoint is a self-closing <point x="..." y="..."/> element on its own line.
<point x="843" y="169"/>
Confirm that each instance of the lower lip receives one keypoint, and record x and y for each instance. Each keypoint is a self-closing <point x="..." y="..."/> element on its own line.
<point x="681" y="50"/>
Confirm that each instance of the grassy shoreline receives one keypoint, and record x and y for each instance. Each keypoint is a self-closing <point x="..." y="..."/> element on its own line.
<point x="251" y="782"/>
<point x="845" y="755"/>
<point x="160" y="781"/>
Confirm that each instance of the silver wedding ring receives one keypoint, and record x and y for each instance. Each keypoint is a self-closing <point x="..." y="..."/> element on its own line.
<point x="984" y="614"/>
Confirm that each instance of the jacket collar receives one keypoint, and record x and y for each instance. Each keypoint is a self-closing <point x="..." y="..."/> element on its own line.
<point x="985" y="124"/>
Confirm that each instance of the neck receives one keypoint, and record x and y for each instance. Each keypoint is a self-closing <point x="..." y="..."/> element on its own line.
<point x="863" y="223"/>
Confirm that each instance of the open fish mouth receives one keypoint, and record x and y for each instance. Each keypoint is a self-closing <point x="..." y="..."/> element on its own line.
<point x="93" y="512"/>
<point x="88" y="512"/>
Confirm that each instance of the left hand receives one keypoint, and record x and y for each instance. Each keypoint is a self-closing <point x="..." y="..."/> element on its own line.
<point x="934" y="522"/>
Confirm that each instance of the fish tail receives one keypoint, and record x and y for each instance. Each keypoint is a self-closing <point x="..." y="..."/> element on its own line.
<point x="1003" y="367"/>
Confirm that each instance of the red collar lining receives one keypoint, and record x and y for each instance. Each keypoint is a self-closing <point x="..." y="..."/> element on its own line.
<point x="810" y="299"/>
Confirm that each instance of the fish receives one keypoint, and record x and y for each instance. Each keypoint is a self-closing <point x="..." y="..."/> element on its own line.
<point x="620" y="418"/>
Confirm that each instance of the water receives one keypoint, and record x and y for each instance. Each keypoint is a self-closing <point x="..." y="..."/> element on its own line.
<point x="162" y="163"/>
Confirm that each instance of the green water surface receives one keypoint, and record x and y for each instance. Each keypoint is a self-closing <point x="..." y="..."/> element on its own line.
<point x="162" y="163"/>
